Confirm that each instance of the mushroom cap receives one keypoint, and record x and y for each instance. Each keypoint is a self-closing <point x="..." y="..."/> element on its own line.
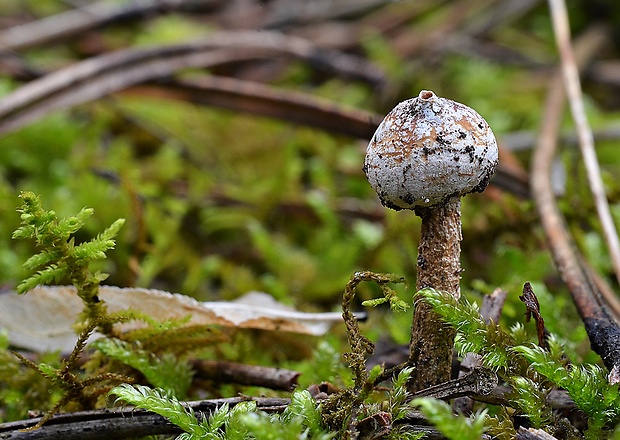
<point x="428" y="149"/>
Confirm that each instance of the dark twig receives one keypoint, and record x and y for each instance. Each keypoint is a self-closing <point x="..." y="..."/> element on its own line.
<point x="120" y="423"/>
<point x="532" y="307"/>
<point x="525" y="140"/>
<point x="479" y="382"/>
<point x="287" y="12"/>
<point x="294" y="106"/>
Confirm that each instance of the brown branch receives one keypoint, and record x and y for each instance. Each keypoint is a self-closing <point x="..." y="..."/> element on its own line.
<point x="572" y="84"/>
<point x="603" y="332"/>
<point x="105" y="74"/>
<point x="230" y="372"/>
<point x="261" y="99"/>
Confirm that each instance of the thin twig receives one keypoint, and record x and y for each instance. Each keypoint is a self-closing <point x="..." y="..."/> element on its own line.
<point x="525" y="140"/>
<point x="584" y="132"/>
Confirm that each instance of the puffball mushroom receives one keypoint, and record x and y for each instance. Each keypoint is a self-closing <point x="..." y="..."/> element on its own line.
<point x="426" y="154"/>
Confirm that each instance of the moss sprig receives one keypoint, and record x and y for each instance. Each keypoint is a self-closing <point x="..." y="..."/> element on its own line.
<point x="160" y="402"/>
<point x="361" y="347"/>
<point x="342" y="410"/>
<point x="300" y="419"/>
<point x="528" y="396"/>
<point x="82" y="390"/>
<point x="168" y="372"/>
<point x="454" y="427"/>
<point x="59" y="257"/>
<point x="473" y="333"/>
<point x="532" y="370"/>
<point x="586" y="384"/>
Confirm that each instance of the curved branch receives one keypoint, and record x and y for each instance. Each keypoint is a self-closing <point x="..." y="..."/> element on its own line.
<point x="260" y="99"/>
<point x="570" y="71"/>
<point x="105" y="74"/>
<point x="603" y="332"/>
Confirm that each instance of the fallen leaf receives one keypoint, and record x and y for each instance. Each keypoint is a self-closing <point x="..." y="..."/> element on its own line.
<point x="41" y="319"/>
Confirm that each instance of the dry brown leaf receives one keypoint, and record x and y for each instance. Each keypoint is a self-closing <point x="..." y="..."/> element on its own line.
<point x="41" y="319"/>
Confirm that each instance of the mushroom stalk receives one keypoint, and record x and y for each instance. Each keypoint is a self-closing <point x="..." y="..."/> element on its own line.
<point x="439" y="267"/>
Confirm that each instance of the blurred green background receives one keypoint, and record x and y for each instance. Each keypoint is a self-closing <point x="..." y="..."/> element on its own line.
<point x="219" y="203"/>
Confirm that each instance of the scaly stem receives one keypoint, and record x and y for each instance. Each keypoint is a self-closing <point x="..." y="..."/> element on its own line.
<point x="439" y="267"/>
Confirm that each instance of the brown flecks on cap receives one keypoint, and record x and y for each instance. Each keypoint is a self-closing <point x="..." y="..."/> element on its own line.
<point x="428" y="149"/>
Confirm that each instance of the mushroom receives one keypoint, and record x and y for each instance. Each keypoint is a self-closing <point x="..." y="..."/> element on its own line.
<point x="426" y="154"/>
